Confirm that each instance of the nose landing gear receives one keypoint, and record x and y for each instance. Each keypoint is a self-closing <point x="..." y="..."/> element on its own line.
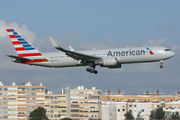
<point x="161" y="61"/>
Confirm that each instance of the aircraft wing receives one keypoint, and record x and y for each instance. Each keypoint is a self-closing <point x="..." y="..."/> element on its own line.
<point x="73" y="54"/>
<point x="19" y="58"/>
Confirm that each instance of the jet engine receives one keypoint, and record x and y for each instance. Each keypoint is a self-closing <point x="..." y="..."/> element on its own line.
<point x="109" y="62"/>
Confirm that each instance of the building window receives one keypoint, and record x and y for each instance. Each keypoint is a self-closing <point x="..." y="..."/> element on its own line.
<point x="134" y="105"/>
<point x="5" y="89"/>
<point x="118" y="110"/>
<point x="157" y="105"/>
<point x="142" y="110"/>
<point x="123" y="109"/>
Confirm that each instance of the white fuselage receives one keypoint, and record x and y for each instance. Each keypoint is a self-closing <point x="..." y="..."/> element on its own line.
<point x="123" y="56"/>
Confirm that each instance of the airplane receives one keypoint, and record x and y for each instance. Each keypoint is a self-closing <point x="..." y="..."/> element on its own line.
<point x="110" y="58"/>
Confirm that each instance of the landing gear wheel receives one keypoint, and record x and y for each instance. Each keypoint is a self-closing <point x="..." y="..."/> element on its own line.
<point x="91" y="71"/>
<point x="95" y="72"/>
<point x="88" y="69"/>
<point x="161" y="66"/>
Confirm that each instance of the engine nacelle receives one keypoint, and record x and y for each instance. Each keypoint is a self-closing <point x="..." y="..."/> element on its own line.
<point x="109" y="62"/>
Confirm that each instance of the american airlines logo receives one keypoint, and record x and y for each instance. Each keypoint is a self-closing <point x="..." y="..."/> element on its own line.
<point x="126" y="53"/>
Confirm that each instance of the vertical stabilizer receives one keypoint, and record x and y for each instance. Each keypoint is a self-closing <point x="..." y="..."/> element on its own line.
<point x="24" y="48"/>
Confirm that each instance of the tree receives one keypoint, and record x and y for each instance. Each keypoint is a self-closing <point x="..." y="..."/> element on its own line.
<point x="129" y="115"/>
<point x="38" y="114"/>
<point x="175" y="116"/>
<point x="160" y="113"/>
<point x="139" y="116"/>
<point x="66" y="119"/>
<point x="152" y="116"/>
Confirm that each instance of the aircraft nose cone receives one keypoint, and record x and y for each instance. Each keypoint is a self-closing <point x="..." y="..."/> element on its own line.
<point x="172" y="54"/>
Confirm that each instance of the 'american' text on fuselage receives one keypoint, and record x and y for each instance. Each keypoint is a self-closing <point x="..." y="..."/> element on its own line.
<point x="126" y="53"/>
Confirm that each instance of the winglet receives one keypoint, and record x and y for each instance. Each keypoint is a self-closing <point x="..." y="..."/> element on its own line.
<point x="55" y="44"/>
<point x="71" y="49"/>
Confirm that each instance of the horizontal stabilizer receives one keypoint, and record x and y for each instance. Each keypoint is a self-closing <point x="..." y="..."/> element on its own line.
<point x="19" y="58"/>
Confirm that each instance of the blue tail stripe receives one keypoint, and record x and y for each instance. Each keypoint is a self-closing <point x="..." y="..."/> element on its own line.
<point x="15" y="33"/>
<point x="21" y="39"/>
<point x="30" y="48"/>
<point x="18" y="36"/>
<point x="12" y="30"/>
<point x="27" y="45"/>
<point x="24" y="42"/>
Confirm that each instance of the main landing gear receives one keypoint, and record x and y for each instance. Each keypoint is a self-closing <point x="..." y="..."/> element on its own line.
<point x="92" y="70"/>
<point x="161" y="61"/>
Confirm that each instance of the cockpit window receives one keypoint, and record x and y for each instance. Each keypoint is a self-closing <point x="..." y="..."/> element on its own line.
<point x="167" y="50"/>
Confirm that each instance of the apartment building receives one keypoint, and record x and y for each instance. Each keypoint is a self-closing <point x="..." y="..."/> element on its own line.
<point x="171" y="108"/>
<point x="16" y="102"/>
<point x="150" y="97"/>
<point x="55" y="105"/>
<point x="85" y="104"/>
<point x="112" y="110"/>
<point x="144" y="108"/>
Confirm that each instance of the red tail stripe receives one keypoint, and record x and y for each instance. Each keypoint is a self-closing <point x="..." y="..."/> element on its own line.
<point x="12" y="36"/>
<point x="16" y="42"/>
<point x="36" y="60"/>
<point x="20" y="48"/>
<point x="29" y="54"/>
<point x="8" y="30"/>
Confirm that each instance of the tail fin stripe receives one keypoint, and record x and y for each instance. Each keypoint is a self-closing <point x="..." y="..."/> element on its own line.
<point x="12" y="36"/>
<point x="24" y="42"/>
<point x="30" y="48"/>
<point x="20" y="49"/>
<point x="10" y="33"/>
<point x="12" y="30"/>
<point x="18" y="46"/>
<point x="21" y="39"/>
<point x="26" y="45"/>
<point x="30" y="54"/>
<point x="16" y="42"/>
<point x="24" y="52"/>
<point x="17" y="36"/>
<point x="9" y="30"/>
<point x="14" y="39"/>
